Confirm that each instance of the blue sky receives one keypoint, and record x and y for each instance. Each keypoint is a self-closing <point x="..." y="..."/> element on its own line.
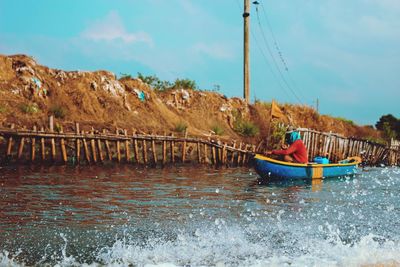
<point x="345" y="53"/>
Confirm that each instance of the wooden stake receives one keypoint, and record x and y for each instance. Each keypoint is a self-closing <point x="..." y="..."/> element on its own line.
<point x="223" y="160"/>
<point x="21" y="147"/>
<point x="184" y="148"/>
<point x="206" y="160"/>
<point x="233" y="153"/>
<point x="136" y="148"/>
<point x="86" y="148"/>
<point x="214" y="155"/>
<point x="107" y="144"/>
<point x="154" y="151"/>
<point x="33" y="148"/>
<point x="239" y="157"/>
<point x="100" y="149"/>
<point x="77" y="144"/>
<point x="144" y="146"/>
<point x="172" y="144"/>
<point x="198" y="152"/>
<point x="164" y="151"/>
<point x="117" y="144"/>
<point x="9" y="144"/>
<point x="53" y="142"/>
<point x="127" y="152"/>
<point x="42" y="145"/>
<point x="63" y="149"/>
<point x="93" y="146"/>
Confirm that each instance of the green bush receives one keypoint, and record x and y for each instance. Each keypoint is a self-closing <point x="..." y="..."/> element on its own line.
<point x="159" y="85"/>
<point x="278" y="132"/>
<point x="3" y="109"/>
<point x="30" y="108"/>
<point x="180" y="127"/>
<point x="218" y="130"/>
<point x="345" y="120"/>
<point x="246" y="128"/>
<point x="58" y="111"/>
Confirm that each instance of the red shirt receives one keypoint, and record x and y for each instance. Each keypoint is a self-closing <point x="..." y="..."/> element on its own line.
<point x="297" y="150"/>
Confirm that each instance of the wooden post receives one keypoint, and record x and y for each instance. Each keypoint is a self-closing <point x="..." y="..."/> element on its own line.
<point x="42" y="145"/>
<point x="117" y="144"/>
<point x="214" y="155"/>
<point x="77" y="144"/>
<point x="172" y="149"/>
<point x="100" y="150"/>
<point x="63" y="149"/>
<point x="164" y="150"/>
<point x="53" y="142"/>
<point x="107" y="144"/>
<point x="33" y="144"/>
<point x="198" y="152"/>
<point x="21" y="147"/>
<point x="93" y="146"/>
<point x="184" y="147"/>
<point x="127" y="152"/>
<point x="239" y="157"/>
<point x="233" y="153"/>
<point x="154" y="151"/>
<point x="86" y="149"/>
<point x="144" y="147"/>
<point x="205" y="154"/>
<point x="136" y="148"/>
<point x="9" y="144"/>
<point x="223" y="160"/>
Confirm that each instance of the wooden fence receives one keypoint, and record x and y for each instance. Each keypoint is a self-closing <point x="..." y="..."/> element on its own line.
<point x="89" y="147"/>
<point x="337" y="147"/>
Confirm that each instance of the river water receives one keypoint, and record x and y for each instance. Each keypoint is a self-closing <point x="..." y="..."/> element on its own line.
<point x="195" y="216"/>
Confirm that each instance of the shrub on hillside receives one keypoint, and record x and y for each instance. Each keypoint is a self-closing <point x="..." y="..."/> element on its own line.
<point x="345" y="120"/>
<point x="159" y="85"/>
<point x="180" y="127"/>
<point x="29" y="108"/>
<point x="218" y="130"/>
<point x="245" y="128"/>
<point x="3" y="109"/>
<point x="58" y="111"/>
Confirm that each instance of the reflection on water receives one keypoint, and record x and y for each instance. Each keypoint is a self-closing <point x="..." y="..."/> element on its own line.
<point x="194" y="216"/>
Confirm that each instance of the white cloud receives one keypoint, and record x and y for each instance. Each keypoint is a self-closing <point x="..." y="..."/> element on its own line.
<point x="111" y="28"/>
<point x="216" y="50"/>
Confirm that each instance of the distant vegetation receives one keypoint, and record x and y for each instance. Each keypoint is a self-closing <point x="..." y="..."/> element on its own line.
<point x="345" y="120"/>
<point x="160" y="85"/>
<point x="390" y="126"/>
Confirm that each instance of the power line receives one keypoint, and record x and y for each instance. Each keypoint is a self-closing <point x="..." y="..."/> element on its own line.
<point x="279" y="50"/>
<point x="278" y="81"/>
<point x="265" y="57"/>
<point x="273" y="58"/>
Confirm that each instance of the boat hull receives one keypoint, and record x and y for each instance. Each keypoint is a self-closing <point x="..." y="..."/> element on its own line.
<point x="269" y="168"/>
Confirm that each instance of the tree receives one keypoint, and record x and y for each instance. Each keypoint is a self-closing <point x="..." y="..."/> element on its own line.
<point x="389" y="125"/>
<point x="389" y="118"/>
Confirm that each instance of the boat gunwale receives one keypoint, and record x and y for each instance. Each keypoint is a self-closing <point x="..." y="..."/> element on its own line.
<point x="303" y="165"/>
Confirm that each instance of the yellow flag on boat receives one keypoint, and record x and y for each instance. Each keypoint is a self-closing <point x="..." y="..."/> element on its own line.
<point x="276" y="112"/>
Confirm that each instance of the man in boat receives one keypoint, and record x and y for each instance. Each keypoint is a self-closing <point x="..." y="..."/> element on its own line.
<point x="296" y="152"/>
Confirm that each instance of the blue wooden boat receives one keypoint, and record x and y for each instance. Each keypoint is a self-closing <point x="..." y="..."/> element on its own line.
<point x="269" y="168"/>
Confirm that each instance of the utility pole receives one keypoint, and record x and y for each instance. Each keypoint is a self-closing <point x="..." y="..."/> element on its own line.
<point x="317" y="105"/>
<point x="246" y="46"/>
